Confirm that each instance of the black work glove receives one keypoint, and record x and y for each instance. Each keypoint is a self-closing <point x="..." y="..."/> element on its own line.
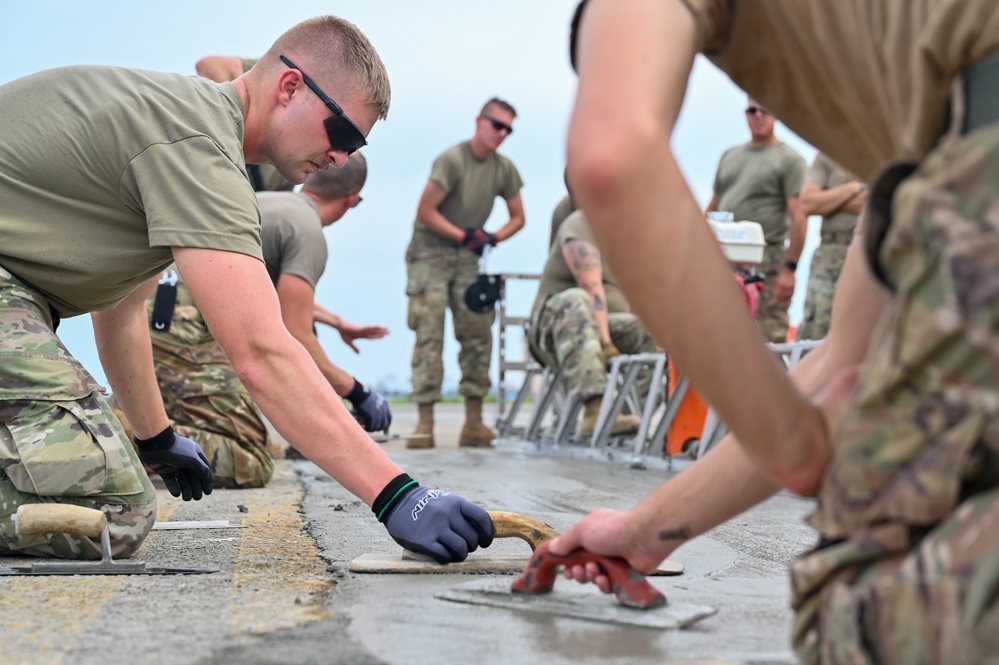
<point x="477" y="239"/>
<point x="370" y="408"/>
<point x="180" y="462"/>
<point x="429" y="521"/>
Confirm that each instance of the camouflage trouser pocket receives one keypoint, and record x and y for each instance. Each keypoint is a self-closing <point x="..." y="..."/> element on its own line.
<point x="67" y="448"/>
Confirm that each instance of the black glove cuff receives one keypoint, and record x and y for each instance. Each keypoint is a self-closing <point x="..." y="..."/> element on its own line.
<point x="396" y="487"/>
<point x="357" y="394"/>
<point x="162" y="441"/>
<point x="466" y="240"/>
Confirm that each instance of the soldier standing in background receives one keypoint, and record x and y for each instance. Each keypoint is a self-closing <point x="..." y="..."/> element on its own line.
<point x="442" y="261"/>
<point x="837" y="195"/>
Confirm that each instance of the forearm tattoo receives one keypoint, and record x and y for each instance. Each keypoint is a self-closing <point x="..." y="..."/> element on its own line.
<point x="683" y="533"/>
<point x="598" y="303"/>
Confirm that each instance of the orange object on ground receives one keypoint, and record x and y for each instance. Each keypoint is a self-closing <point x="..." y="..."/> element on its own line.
<point x="689" y="422"/>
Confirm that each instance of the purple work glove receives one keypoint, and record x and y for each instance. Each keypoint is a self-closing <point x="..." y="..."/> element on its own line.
<point x="180" y="462"/>
<point x="429" y="521"/>
<point x="477" y="239"/>
<point x="370" y="408"/>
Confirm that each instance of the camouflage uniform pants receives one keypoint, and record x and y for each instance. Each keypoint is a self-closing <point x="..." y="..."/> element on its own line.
<point x="205" y="400"/>
<point x="908" y="571"/>
<point x="59" y="440"/>
<point x="772" y="318"/>
<point x="827" y="264"/>
<point x="566" y="338"/>
<point x="437" y="280"/>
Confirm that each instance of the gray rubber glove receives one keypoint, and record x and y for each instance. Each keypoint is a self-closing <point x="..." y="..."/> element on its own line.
<point x="180" y="462"/>
<point x="429" y="521"/>
<point x="370" y="409"/>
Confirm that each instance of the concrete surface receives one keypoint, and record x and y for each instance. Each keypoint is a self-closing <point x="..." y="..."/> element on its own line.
<point x="284" y="594"/>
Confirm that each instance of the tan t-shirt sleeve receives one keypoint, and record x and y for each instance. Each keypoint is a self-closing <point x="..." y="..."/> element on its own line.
<point x="446" y="171"/>
<point x="512" y="182"/>
<point x="794" y="175"/>
<point x="819" y="172"/>
<point x="713" y="18"/>
<point x="303" y="253"/>
<point x="193" y="195"/>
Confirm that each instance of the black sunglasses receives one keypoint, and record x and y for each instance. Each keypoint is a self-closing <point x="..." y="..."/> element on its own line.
<point x="344" y="134"/>
<point x="499" y="126"/>
<point x="357" y="202"/>
<point x="753" y="110"/>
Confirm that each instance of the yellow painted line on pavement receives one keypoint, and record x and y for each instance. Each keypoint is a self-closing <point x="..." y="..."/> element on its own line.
<point x="279" y="580"/>
<point x="44" y="616"/>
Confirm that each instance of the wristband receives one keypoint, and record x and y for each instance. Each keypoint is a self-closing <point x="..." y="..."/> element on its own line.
<point x="162" y="441"/>
<point x="791" y="265"/>
<point x="387" y="497"/>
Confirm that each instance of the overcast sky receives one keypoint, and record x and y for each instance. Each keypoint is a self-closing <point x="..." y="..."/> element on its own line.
<point x="444" y="58"/>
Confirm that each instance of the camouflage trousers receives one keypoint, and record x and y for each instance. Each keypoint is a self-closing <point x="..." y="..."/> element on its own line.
<point x="59" y="440"/>
<point x="437" y="280"/>
<point x="827" y="264"/>
<point x="205" y="400"/>
<point x="772" y="318"/>
<point x="908" y="568"/>
<point x="565" y="337"/>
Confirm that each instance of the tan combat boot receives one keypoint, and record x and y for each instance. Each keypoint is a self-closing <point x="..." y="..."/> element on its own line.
<point x="475" y="434"/>
<point x="423" y="435"/>
<point x="625" y="423"/>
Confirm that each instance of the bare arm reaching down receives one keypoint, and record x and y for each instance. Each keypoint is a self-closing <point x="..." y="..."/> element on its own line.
<point x="648" y="533"/>
<point x="652" y="232"/>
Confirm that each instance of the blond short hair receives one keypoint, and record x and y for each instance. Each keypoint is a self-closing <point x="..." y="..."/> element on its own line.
<point x="330" y="49"/>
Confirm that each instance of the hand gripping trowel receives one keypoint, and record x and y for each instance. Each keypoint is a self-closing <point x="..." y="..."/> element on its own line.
<point x="507" y="525"/>
<point x="39" y="518"/>
<point x="638" y="602"/>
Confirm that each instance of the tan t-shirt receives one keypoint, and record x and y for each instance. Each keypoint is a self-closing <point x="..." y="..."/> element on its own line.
<point x="103" y="169"/>
<point x="563" y="209"/>
<point x="472" y="186"/>
<point x="556" y="276"/>
<point x="865" y="81"/>
<point x="754" y="184"/>
<point x="291" y="233"/>
<point x="827" y="174"/>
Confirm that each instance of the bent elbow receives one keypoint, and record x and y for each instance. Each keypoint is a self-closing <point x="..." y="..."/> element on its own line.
<point x="602" y="165"/>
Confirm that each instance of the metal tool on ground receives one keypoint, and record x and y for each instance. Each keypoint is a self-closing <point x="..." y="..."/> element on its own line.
<point x="638" y="602"/>
<point x="507" y="524"/>
<point x="576" y="601"/>
<point x="41" y="518"/>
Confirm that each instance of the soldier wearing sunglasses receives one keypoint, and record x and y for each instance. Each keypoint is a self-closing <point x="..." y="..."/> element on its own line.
<point x="442" y="261"/>
<point x="760" y="181"/>
<point x="109" y="176"/>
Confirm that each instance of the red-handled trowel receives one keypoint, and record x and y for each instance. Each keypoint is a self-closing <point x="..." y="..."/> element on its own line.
<point x="40" y="518"/>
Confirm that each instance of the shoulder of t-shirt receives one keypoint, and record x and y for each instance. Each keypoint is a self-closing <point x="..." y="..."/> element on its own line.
<point x="575" y="227"/>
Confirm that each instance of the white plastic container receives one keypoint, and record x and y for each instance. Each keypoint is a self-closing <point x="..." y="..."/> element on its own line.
<point x="741" y="242"/>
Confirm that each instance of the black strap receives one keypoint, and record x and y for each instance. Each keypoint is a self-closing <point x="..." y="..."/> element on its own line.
<point x="256" y="177"/>
<point x="166" y="300"/>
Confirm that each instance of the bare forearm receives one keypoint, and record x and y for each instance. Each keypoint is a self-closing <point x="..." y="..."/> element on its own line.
<point x="717" y="346"/>
<point x="598" y="298"/>
<point x="817" y="201"/>
<point x="510" y="228"/>
<point x="441" y="225"/>
<point x="339" y="380"/>
<point x="322" y="315"/>
<point x="296" y="398"/>
<point x="799" y="229"/>
<point x="126" y="355"/>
